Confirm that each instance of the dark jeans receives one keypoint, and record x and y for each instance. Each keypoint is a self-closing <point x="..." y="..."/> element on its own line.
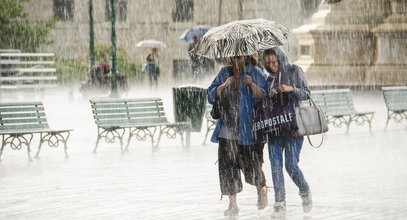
<point x="233" y="158"/>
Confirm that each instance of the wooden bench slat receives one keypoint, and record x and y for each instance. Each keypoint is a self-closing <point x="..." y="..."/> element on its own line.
<point x="135" y="122"/>
<point x="27" y="54"/>
<point x="129" y="105"/>
<point x="123" y="110"/>
<point x="139" y="115"/>
<point x="29" y="86"/>
<point x="394" y="88"/>
<point x="23" y="120"/>
<point x="29" y="70"/>
<point x="19" y="62"/>
<point x="138" y="100"/>
<point x="22" y="109"/>
<point x="28" y="78"/>
<point x="20" y="127"/>
<point x="13" y="104"/>
<point x="22" y="115"/>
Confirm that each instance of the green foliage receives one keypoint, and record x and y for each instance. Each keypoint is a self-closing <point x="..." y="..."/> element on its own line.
<point x="15" y="30"/>
<point x="71" y="71"/>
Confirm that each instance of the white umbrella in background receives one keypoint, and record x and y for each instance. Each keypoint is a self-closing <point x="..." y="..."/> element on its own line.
<point x="151" y="44"/>
<point x="241" y="38"/>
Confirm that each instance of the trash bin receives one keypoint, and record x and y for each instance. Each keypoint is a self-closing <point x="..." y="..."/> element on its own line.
<point x="189" y="105"/>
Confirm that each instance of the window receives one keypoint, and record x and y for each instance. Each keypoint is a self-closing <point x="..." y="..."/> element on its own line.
<point x="63" y="9"/>
<point x="184" y="10"/>
<point x="305" y="50"/>
<point x="121" y="10"/>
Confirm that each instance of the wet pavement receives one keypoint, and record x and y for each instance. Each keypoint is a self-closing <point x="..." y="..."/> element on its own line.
<point x="360" y="175"/>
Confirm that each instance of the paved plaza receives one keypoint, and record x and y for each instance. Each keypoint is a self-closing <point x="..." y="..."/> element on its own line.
<point x="360" y="175"/>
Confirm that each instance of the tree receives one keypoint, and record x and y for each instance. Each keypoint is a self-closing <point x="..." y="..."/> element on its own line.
<point x="15" y="30"/>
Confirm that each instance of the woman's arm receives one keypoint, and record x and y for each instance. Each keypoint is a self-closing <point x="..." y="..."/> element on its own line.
<point x="217" y="85"/>
<point x="257" y="92"/>
<point x="301" y="90"/>
<point x="257" y="83"/>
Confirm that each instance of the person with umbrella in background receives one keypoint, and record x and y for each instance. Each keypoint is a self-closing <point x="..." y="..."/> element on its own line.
<point x="199" y="64"/>
<point x="236" y="89"/>
<point x="195" y="62"/>
<point x="153" y="68"/>
<point x="152" y="60"/>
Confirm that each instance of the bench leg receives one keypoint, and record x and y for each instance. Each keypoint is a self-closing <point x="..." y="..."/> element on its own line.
<point x="206" y="136"/>
<point x="53" y="139"/>
<point x="141" y="134"/>
<point x="388" y="119"/>
<point x="348" y="124"/>
<point x="39" y="148"/>
<point x="28" y="153"/>
<point x="370" y="123"/>
<point x="16" y="142"/>
<point x="188" y="139"/>
<point x="110" y="135"/>
<point x="3" y="143"/>
<point x="96" y="145"/>
<point x="128" y="140"/>
<point x="155" y="147"/>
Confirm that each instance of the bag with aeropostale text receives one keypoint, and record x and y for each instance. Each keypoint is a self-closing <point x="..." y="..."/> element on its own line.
<point x="274" y="116"/>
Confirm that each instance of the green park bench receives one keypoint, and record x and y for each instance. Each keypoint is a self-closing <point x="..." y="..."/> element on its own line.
<point x="396" y="102"/>
<point x="338" y="107"/>
<point x="141" y="116"/>
<point x="27" y="71"/>
<point x="19" y="121"/>
<point x="210" y="122"/>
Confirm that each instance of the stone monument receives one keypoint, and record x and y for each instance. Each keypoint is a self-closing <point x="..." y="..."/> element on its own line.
<point x="355" y="43"/>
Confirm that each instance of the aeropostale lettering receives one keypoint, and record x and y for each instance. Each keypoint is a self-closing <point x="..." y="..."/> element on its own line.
<point x="276" y="120"/>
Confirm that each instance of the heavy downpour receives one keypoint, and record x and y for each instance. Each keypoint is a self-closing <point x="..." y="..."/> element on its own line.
<point x="203" y="109"/>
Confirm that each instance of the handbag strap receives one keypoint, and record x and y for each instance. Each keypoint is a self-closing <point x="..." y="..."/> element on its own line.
<point x="320" y="111"/>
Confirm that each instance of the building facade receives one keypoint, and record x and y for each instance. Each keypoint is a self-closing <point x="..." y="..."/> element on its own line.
<point x="163" y="20"/>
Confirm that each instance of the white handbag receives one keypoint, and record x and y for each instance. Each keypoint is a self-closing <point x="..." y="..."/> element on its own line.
<point x="310" y="120"/>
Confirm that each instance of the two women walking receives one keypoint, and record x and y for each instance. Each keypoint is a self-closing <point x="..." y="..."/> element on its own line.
<point x="243" y="86"/>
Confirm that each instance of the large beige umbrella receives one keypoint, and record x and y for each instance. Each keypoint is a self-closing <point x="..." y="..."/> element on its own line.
<point x="241" y="38"/>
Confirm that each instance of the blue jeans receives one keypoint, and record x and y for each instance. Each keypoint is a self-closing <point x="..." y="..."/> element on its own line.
<point x="291" y="146"/>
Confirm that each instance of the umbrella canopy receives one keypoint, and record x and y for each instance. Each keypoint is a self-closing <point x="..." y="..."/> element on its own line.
<point x="151" y="44"/>
<point x="241" y="38"/>
<point x="198" y="31"/>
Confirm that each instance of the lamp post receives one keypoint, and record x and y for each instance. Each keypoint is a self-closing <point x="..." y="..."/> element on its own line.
<point x="113" y="81"/>
<point x="91" y="36"/>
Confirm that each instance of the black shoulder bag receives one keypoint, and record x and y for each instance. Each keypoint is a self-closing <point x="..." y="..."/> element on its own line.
<point x="217" y="107"/>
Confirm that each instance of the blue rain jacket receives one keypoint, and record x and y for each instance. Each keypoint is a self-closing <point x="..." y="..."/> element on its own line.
<point x="247" y="101"/>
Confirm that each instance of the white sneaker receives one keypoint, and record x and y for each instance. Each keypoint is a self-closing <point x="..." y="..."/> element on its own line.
<point x="306" y="202"/>
<point x="279" y="210"/>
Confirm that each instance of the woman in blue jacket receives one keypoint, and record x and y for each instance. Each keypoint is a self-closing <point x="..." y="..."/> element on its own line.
<point x="239" y="86"/>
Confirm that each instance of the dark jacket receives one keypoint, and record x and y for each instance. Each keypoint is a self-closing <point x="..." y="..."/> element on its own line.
<point x="292" y="75"/>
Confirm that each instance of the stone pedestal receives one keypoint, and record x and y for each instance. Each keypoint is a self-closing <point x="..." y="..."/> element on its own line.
<point x="338" y="47"/>
<point x="390" y="67"/>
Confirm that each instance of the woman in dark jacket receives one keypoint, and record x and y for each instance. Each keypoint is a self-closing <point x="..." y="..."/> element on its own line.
<point x="294" y="84"/>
